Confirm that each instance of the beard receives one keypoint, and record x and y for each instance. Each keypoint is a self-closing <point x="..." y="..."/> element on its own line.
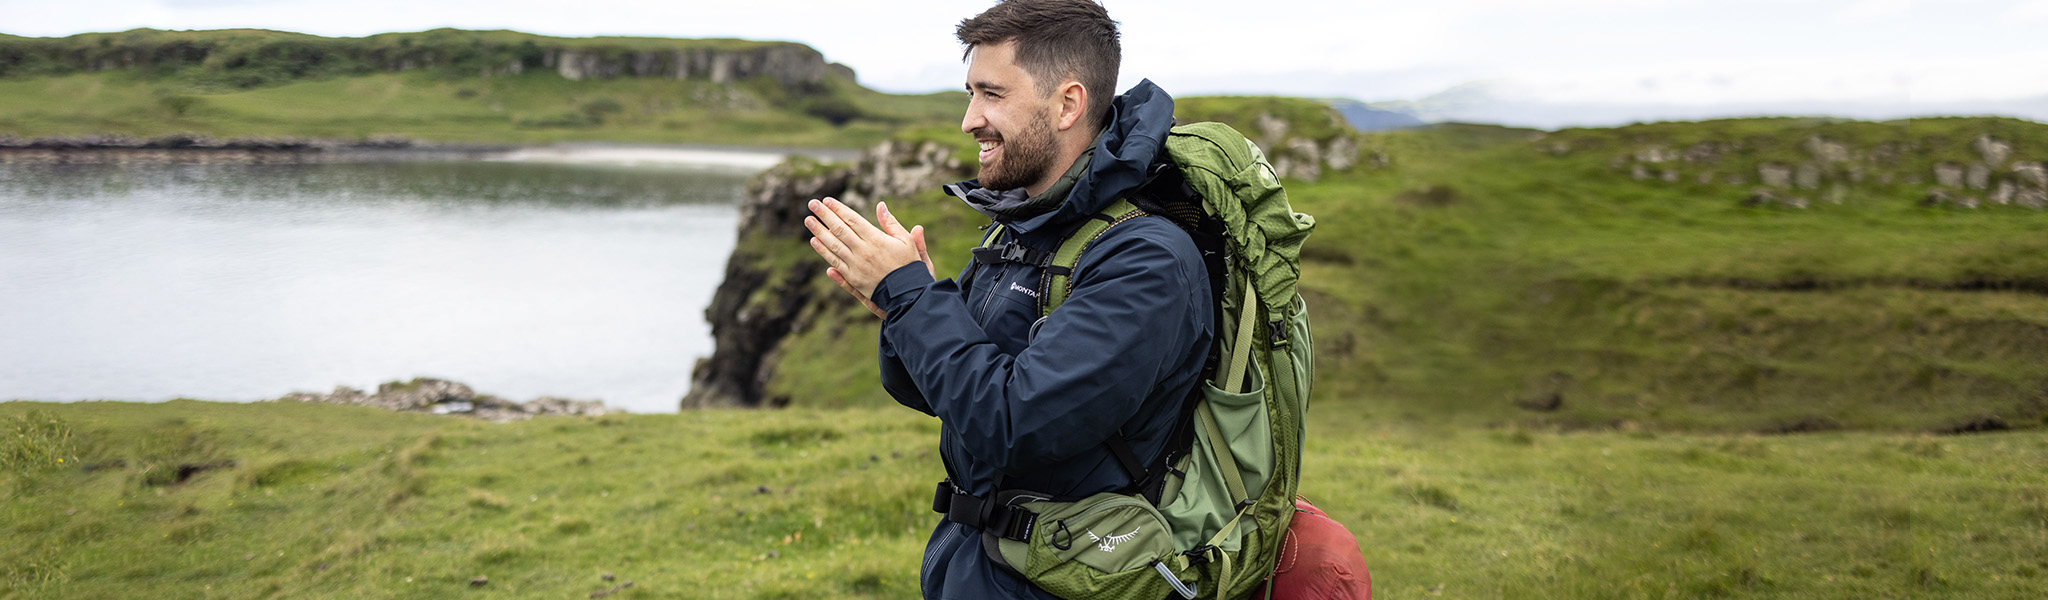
<point x="1025" y="158"/>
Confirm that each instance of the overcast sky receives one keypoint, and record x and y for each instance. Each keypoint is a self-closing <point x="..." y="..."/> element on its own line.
<point x="1561" y="61"/>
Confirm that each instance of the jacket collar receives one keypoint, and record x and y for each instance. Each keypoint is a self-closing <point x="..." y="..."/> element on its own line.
<point x="1140" y="121"/>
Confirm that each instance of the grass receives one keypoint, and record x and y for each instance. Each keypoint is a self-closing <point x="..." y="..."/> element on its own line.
<point x="1539" y="375"/>
<point x="334" y="501"/>
<point x="535" y="107"/>
<point x="1482" y="278"/>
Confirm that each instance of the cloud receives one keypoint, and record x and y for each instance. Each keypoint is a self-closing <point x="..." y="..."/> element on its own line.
<point x="2031" y="10"/>
<point x="1657" y="52"/>
<point x="1877" y="9"/>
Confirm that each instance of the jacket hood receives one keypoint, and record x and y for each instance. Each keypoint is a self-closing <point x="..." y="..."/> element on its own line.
<point x="1140" y="120"/>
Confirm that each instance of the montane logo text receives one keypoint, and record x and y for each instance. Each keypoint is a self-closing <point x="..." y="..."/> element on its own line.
<point x="1027" y="291"/>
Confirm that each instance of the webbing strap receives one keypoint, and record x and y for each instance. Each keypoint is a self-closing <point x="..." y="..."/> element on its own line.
<point x="988" y="240"/>
<point x="1058" y="280"/>
<point x="1220" y="447"/>
<point x="1240" y="357"/>
<point x="1223" y="582"/>
<point x="988" y="515"/>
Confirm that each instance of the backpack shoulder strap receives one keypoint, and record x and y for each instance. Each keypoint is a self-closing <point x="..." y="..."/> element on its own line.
<point x="1058" y="278"/>
<point x="992" y="232"/>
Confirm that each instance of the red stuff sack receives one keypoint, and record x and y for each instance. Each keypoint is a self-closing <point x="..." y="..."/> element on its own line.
<point x="1319" y="560"/>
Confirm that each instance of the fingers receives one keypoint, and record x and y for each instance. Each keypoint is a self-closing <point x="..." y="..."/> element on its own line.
<point x="917" y="240"/>
<point x="831" y="223"/>
<point x="827" y="246"/>
<point x="888" y="220"/>
<point x="855" y="225"/>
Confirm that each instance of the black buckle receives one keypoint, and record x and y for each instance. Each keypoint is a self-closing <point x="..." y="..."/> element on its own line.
<point x="1004" y="521"/>
<point x="967" y="510"/>
<point x="1017" y="526"/>
<point x="1200" y="555"/>
<point x="1015" y="253"/>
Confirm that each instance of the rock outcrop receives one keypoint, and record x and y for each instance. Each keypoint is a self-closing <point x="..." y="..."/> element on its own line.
<point x="267" y="56"/>
<point x="789" y="64"/>
<point x="1296" y="156"/>
<point x="442" y="397"/>
<point x="1942" y="169"/>
<point x="759" y="303"/>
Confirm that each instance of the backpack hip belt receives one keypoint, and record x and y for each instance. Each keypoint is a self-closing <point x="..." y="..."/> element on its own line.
<point x="1004" y="521"/>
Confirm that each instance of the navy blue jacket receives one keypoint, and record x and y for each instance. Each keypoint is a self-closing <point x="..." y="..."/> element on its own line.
<point x="1120" y="355"/>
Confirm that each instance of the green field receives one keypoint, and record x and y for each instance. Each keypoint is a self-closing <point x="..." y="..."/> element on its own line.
<point x="1484" y="277"/>
<point x="1600" y="363"/>
<point x="526" y="108"/>
<point x="444" y="85"/>
<point x="347" y="502"/>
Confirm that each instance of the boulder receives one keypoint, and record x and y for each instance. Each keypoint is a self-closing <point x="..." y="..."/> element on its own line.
<point x="1341" y="154"/>
<point x="1273" y="129"/>
<point x="1994" y="151"/>
<point x="1825" y="151"/>
<point x="2031" y="174"/>
<point x="1703" y="153"/>
<point x="1978" y="177"/>
<point x="1948" y="175"/>
<point x="1300" y="158"/>
<point x="443" y="397"/>
<point x="2033" y="198"/>
<point x="1775" y="175"/>
<point x="1655" y="154"/>
<point x="1808" y="176"/>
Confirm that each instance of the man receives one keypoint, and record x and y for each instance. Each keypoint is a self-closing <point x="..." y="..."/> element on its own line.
<point x="1026" y="404"/>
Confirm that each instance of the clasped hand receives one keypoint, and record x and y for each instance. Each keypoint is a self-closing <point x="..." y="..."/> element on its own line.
<point x="859" y="253"/>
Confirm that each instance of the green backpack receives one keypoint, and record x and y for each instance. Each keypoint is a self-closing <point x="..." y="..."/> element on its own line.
<point x="1211" y="525"/>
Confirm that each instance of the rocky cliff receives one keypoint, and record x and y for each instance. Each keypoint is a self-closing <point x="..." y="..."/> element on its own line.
<point x="773" y="284"/>
<point x="775" y="288"/>
<point x="250" y="58"/>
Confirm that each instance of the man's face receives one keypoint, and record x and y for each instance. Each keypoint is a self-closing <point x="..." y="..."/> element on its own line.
<point x="1011" y="120"/>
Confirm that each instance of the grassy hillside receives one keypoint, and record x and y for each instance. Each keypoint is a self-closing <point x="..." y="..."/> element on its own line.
<point x="444" y="85"/>
<point x="1600" y="278"/>
<point x="273" y="500"/>
<point x="526" y="108"/>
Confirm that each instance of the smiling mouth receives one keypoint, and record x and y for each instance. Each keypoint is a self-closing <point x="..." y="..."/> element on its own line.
<point x="988" y="149"/>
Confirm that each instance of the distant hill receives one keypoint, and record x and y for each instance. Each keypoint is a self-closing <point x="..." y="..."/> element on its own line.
<point x="444" y="85"/>
<point x="248" y="58"/>
<point x="1364" y="117"/>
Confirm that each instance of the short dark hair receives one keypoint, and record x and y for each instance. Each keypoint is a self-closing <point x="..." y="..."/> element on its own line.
<point x="1056" y="40"/>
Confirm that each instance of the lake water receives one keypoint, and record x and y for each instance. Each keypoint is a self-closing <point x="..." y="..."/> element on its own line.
<point x="579" y="278"/>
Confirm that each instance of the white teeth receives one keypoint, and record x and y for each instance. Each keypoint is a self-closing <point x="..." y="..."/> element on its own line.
<point x="988" y="145"/>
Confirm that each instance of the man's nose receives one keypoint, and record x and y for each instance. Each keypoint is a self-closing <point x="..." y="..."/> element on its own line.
<point x="973" y="119"/>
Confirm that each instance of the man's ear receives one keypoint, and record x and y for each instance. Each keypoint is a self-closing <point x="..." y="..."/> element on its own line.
<point x="1073" y="101"/>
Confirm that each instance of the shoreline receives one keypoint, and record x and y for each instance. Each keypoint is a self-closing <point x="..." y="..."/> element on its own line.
<point x="190" y="149"/>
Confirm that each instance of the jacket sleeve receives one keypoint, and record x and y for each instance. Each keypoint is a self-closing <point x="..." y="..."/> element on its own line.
<point x="895" y="379"/>
<point x="1130" y="320"/>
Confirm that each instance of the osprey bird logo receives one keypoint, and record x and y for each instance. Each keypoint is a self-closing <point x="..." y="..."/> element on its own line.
<point x="1110" y="543"/>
